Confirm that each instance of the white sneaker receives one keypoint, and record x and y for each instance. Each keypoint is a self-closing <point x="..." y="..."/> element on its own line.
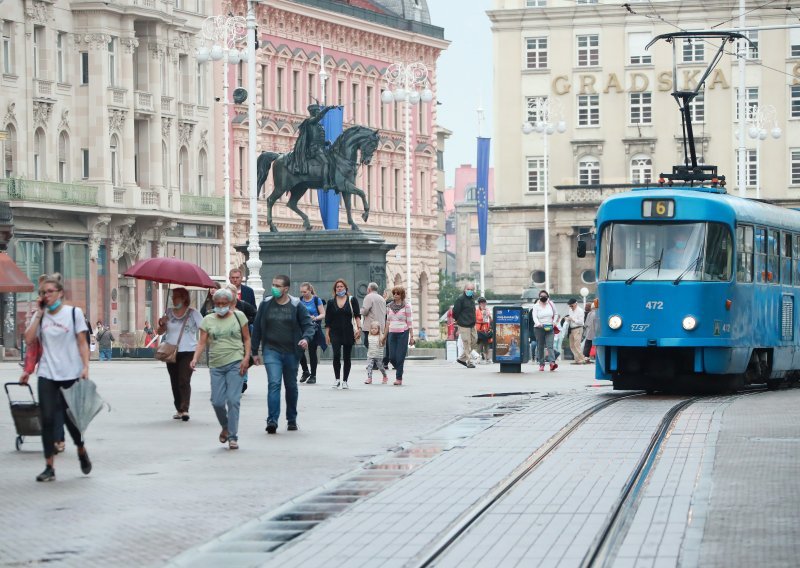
<point x="345" y="385"/>
<point x="338" y="385"/>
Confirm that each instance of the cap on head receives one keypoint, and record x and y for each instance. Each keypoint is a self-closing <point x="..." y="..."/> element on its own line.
<point x="313" y="108"/>
<point x="572" y="302"/>
<point x="481" y="300"/>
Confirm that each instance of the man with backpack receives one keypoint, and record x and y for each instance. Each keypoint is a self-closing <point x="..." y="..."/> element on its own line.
<point x="104" y="340"/>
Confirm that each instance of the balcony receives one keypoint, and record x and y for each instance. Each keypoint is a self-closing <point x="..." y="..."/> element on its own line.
<point x="196" y="205"/>
<point x="143" y="102"/>
<point x="42" y="89"/>
<point x="186" y="112"/>
<point x="18" y="189"/>
<point x="166" y="105"/>
<point x="117" y="96"/>
<point x="149" y="199"/>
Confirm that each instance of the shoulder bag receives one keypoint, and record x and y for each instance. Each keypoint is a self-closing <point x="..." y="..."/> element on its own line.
<point x="250" y="360"/>
<point x="168" y="352"/>
<point x="353" y="318"/>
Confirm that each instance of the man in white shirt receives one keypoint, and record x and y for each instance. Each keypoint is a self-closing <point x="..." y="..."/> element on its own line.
<point x="575" y="321"/>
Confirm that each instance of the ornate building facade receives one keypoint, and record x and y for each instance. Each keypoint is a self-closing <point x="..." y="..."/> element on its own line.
<point x="360" y="40"/>
<point x="107" y="154"/>
<point x="623" y="127"/>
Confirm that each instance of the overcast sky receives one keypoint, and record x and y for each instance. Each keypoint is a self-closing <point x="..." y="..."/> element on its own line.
<point x="464" y="77"/>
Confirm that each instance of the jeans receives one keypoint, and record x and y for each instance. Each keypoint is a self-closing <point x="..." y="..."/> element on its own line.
<point x="544" y="339"/>
<point x="398" y="348"/>
<point x="105" y="354"/>
<point x="226" y="396"/>
<point x="53" y="410"/>
<point x="281" y="366"/>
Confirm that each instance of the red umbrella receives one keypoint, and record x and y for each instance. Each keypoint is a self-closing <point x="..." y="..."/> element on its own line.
<point x="170" y="271"/>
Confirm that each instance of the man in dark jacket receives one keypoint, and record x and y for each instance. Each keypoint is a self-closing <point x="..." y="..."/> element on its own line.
<point x="282" y="330"/>
<point x="464" y="314"/>
<point x="243" y="291"/>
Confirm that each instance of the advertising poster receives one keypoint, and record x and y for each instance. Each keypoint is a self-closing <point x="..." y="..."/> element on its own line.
<point x="507" y="335"/>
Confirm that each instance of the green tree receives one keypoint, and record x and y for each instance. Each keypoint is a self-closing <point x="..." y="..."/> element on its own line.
<point x="448" y="292"/>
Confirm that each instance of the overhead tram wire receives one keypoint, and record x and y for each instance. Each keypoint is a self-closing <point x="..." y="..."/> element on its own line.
<point x="746" y="13"/>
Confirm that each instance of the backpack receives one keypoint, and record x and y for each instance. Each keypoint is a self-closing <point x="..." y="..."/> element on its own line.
<point x="87" y="334"/>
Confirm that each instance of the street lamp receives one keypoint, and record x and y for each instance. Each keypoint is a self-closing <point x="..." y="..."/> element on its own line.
<point x="224" y="32"/>
<point x="549" y="120"/>
<point x="584" y="292"/>
<point x="407" y="83"/>
<point x="763" y="121"/>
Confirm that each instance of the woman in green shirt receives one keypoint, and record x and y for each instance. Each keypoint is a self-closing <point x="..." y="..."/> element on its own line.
<point x="228" y="337"/>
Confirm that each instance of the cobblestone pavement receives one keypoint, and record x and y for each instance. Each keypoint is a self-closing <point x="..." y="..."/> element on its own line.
<point x="160" y="486"/>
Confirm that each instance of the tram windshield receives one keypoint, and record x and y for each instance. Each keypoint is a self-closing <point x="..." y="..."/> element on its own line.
<point x="666" y="251"/>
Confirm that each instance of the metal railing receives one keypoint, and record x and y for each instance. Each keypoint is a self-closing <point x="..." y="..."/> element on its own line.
<point x="197" y="205"/>
<point x="18" y="189"/>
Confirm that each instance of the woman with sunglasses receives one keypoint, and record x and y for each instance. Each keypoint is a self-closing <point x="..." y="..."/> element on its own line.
<point x="60" y="329"/>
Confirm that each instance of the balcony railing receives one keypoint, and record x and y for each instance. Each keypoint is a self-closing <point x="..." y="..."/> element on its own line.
<point x="117" y="96"/>
<point x="166" y="104"/>
<point x="149" y="198"/>
<point x="196" y="205"/>
<point x="185" y="111"/>
<point x="119" y="195"/>
<point x="143" y="102"/>
<point x="43" y="89"/>
<point x="18" y="189"/>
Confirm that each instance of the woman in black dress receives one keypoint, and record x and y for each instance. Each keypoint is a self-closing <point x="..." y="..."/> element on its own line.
<point x="342" y="329"/>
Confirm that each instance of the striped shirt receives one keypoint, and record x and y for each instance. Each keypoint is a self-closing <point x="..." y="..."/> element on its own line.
<point x="400" y="320"/>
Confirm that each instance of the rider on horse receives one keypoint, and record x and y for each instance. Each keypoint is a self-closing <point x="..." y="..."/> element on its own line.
<point x="311" y="145"/>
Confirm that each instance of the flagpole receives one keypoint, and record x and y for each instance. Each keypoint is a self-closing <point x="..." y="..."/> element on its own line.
<point x="483" y="255"/>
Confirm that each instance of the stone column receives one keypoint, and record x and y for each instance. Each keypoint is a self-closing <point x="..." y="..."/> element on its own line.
<point x="131" y="284"/>
<point x="564" y="262"/>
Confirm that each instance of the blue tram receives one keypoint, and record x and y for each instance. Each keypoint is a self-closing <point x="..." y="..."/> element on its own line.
<point x="696" y="286"/>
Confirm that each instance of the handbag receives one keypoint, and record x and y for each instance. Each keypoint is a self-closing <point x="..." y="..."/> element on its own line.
<point x="356" y="331"/>
<point x="250" y="359"/>
<point x="168" y="352"/>
<point x="33" y="353"/>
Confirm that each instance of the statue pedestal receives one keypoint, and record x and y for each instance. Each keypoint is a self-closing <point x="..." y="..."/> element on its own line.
<point x="322" y="257"/>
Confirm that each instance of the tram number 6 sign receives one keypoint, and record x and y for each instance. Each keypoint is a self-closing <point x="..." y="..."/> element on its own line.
<point x="658" y="208"/>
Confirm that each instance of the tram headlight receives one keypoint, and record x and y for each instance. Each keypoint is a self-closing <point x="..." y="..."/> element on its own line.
<point x="615" y="322"/>
<point x="689" y="323"/>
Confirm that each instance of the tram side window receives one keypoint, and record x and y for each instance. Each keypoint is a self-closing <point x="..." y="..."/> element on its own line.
<point x="786" y="259"/>
<point x="719" y="254"/>
<point x="744" y="247"/>
<point x="773" y="258"/>
<point x="760" y="255"/>
<point x="796" y="256"/>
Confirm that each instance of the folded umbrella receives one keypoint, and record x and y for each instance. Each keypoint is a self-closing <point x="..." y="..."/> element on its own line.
<point x="83" y="403"/>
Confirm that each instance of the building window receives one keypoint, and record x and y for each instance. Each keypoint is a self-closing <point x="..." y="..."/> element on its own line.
<point x="354" y="102"/>
<point x="116" y="178"/>
<point x="589" y="171"/>
<point x="794" y="175"/>
<point x="536" y="52"/>
<point x="112" y="62"/>
<point x="184" y="79"/>
<point x="202" y="173"/>
<point x="38" y="39"/>
<point x="369" y="107"/>
<point x="586" y="2"/>
<point x="751" y="167"/>
<point x="588" y="276"/>
<point x="8" y="46"/>
<point x="164" y="165"/>
<point x="84" y="68"/>
<point x="61" y="72"/>
<point x="201" y="84"/>
<point x="534" y="109"/>
<point x="10" y="151"/>
<point x="535" y="3"/>
<point x="84" y="163"/>
<point x="587" y="235"/>
<point x="536" y="175"/>
<point x="39" y="154"/>
<point x="750" y="102"/>
<point x="340" y="93"/>
<point x="398" y="191"/>
<point x="183" y="170"/>
<point x="588" y="50"/>
<point x="641" y="169"/>
<point x="279" y="89"/>
<point x="697" y="108"/>
<point x="795" y="101"/>
<point x="242" y="181"/>
<point x="240" y="73"/>
<point x="535" y="240"/>
<point x="165" y="76"/>
<point x="264" y="86"/>
<point x="295" y="91"/>
<point x="63" y="158"/>
<point x="638" y="55"/>
<point x="588" y="110"/>
<point x="641" y="106"/>
<point x="752" y="48"/>
<point x="794" y="42"/>
<point x="693" y="51"/>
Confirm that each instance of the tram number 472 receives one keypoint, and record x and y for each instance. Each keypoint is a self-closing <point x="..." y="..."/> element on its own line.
<point x="654" y="305"/>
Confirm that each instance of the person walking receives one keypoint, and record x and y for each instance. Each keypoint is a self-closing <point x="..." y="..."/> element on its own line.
<point x="282" y="330"/>
<point x="590" y="329"/>
<point x="464" y="314"/>
<point x="398" y="333"/>
<point x="179" y="325"/>
<point x="373" y="310"/>
<point x="483" y="326"/>
<point x="243" y="292"/>
<point x="544" y="316"/>
<point x="104" y="339"/>
<point x="343" y="330"/>
<point x="375" y="354"/>
<point x="574" y="322"/>
<point x="316" y="309"/>
<point x="227" y="334"/>
<point x="60" y="329"/>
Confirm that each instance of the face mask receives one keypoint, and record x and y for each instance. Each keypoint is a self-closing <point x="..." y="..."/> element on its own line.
<point x="54" y="307"/>
<point x="276" y="292"/>
<point x="469" y="293"/>
<point x="221" y="312"/>
<point x="342" y="293"/>
<point x="542" y="298"/>
<point x="178" y="306"/>
<point x="680" y="245"/>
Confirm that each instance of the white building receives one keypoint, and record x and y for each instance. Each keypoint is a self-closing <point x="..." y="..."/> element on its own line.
<point x="623" y="127"/>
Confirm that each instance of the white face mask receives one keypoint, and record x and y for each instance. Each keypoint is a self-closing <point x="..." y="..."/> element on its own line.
<point x="221" y="312"/>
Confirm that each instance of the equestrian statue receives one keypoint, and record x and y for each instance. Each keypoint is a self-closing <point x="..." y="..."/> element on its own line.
<point x="315" y="163"/>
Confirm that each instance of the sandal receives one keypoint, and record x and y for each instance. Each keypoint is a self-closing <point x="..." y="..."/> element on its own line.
<point x="223" y="436"/>
<point x="233" y="445"/>
<point x="176" y="416"/>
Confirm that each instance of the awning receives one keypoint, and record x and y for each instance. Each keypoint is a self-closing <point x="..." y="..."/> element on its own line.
<point x="12" y="279"/>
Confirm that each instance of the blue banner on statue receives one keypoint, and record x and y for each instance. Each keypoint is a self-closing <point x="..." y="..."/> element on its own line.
<point x="329" y="199"/>
<point x="482" y="191"/>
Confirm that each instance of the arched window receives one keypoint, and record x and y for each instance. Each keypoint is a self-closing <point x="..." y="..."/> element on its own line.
<point x="641" y="169"/>
<point x="39" y="153"/>
<point x="202" y="173"/>
<point x="63" y="157"/>
<point x="183" y="170"/>
<point x="589" y="171"/>
<point x="10" y="151"/>
<point x="116" y="174"/>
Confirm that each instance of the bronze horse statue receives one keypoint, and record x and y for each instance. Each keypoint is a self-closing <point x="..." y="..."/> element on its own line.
<point x="344" y="161"/>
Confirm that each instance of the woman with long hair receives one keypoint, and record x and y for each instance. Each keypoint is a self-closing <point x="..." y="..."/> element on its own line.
<point x="398" y="333"/>
<point x="343" y="330"/>
<point x="316" y="309"/>
<point x="60" y="329"/>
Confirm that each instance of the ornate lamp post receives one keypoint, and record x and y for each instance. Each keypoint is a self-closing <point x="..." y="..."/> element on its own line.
<point x="763" y="121"/>
<point x="224" y="32"/>
<point x="253" y="248"/>
<point x="549" y="120"/>
<point x="407" y="83"/>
